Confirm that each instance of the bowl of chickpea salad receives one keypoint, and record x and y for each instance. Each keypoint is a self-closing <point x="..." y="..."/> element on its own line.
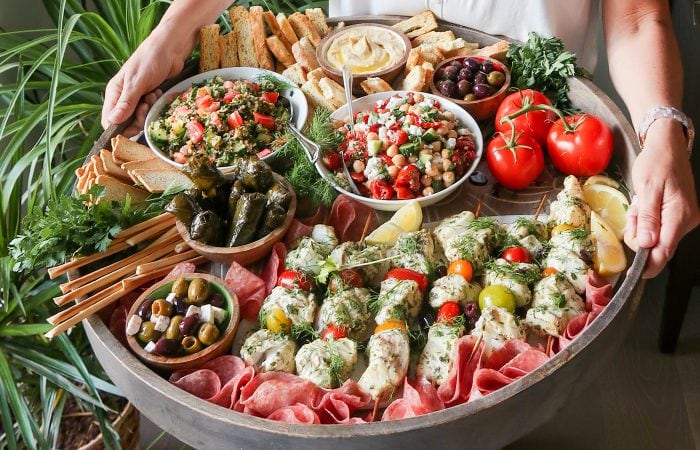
<point x="405" y="145"/>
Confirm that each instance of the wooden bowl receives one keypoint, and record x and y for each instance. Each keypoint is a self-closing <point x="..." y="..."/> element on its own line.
<point x="248" y="253"/>
<point x="484" y="108"/>
<point x="388" y="74"/>
<point x="195" y="360"/>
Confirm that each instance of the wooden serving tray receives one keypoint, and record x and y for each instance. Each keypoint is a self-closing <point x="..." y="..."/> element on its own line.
<point x="489" y="422"/>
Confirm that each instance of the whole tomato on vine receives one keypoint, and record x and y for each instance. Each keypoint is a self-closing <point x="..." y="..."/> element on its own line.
<point x="535" y="123"/>
<point x="515" y="159"/>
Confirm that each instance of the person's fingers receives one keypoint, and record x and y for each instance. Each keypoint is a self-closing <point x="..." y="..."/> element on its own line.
<point x="631" y="225"/>
<point x="128" y="100"/>
<point x="672" y="230"/>
<point x="649" y="215"/>
<point x="112" y="93"/>
<point x="139" y="120"/>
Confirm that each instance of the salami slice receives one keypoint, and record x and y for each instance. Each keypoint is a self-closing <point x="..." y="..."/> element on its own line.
<point x="457" y="386"/>
<point x="318" y="217"/>
<point x="203" y="383"/>
<point x="503" y="355"/>
<point x="296" y="230"/>
<point x="514" y="360"/>
<point x="180" y="270"/>
<point x="249" y="288"/>
<point x="300" y="414"/>
<point x="270" y="391"/>
<point x="274" y="267"/>
<point x="336" y="406"/>
<point x="598" y="292"/>
<point x="419" y="397"/>
<point x="348" y="217"/>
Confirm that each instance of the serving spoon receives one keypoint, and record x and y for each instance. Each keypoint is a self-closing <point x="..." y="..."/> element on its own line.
<point x="347" y="84"/>
<point x="312" y="149"/>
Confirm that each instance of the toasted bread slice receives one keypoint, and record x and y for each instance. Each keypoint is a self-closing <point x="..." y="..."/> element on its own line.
<point x="496" y="51"/>
<point x="228" y="50"/>
<point x="80" y="171"/>
<point x="315" y="95"/>
<point x="304" y="28"/>
<point x="373" y="85"/>
<point x="318" y="19"/>
<point x="96" y="165"/>
<point x="257" y="25"/>
<point x="286" y="29"/>
<point x="146" y="164"/>
<point x="316" y="74"/>
<point x="274" y="27"/>
<point x="240" y="22"/>
<point x="127" y="150"/>
<point x="116" y="190"/>
<point x="430" y="54"/>
<point x="454" y="45"/>
<point x="333" y="92"/>
<point x="209" y="47"/>
<point x="415" y="80"/>
<point x="415" y="58"/>
<point x="296" y="73"/>
<point x="419" y="24"/>
<point x="157" y="181"/>
<point x="305" y="54"/>
<point x="433" y="37"/>
<point x="280" y="51"/>
<point x="110" y="167"/>
<point x="429" y="71"/>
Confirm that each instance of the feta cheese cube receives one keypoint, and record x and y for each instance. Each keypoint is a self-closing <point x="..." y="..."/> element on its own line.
<point x="162" y="323"/>
<point x="451" y="143"/>
<point x="193" y="309"/>
<point x="207" y="314"/>
<point x="220" y="314"/>
<point x="171" y="297"/>
<point x="462" y="131"/>
<point x="382" y="133"/>
<point x="390" y="122"/>
<point x="150" y="347"/>
<point x="415" y="130"/>
<point x="134" y="325"/>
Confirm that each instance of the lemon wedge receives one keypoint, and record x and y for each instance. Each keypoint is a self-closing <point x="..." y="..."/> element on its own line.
<point x="610" y="204"/>
<point x="602" y="179"/>
<point x="385" y="234"/>
<point x="408" y="218"/>
<point x="610" y="257"/>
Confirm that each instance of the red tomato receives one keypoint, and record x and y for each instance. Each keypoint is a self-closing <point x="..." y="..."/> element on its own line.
<point x="358" y="177"/>
<point x="195" y="130"/>
<point x="235" y="119"/>
<point x="381" y="189"/>
<point x="334" y="331"/>
<point x="296" y="279"/>
<point x="332" y="160"/>
<point x="264" y="120"/>
<point x="514" y="161"/>
<point x="404" y="193"/>
<point x="346" y="277"/>
<point x="534" y="123"/>
<point x="203" y="102"/>
<point x="254" y="86"/>
<point x="409" y="176"/>
<point x="228" y="97"/>
<point x="461" y="267"/>
<point x="408" y="274"/>
<point x="448" y="311"/>
<point x="516" y="254"/>
<point x="270" y="96"/>
<point x="584" y="149"/>
<point x="397" y="137"/>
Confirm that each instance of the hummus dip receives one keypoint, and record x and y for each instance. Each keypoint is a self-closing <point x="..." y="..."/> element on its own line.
<point x="365" y="49"/>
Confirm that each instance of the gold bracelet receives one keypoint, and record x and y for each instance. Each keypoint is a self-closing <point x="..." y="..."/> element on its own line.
<point x="667" y="112"/>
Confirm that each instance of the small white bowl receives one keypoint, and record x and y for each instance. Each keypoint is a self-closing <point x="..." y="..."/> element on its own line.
<point x="295" y="96"/>
<point x="367" y="103"/>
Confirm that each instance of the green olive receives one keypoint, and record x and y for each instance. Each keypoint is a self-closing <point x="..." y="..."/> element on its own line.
<point x="497" y="295"/>
<point x="191" y="344"/>
<point x="173" y="330"/>
<point x="470" y="98"/>
<point x="208" y="333"/>
<point x="198" y="291"/>
<point x="496" y="79"/>
<point x="148" y="332"/>
<point x="180" y="288"/>
<point x="161" y="308"/>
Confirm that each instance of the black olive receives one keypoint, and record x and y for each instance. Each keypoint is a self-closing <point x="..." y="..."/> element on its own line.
<point x="586" y="256"/>
<point x="482" y="90"/>
<point x="487" y="67"/>
<point x="457" y="64"/>
<point x="144" y="311"/>
<point x="448" y="88"/>
<point x="188" y="326"/>
<point x="440" y="74"/>
<point x="167" y="347"/>
<point x="217" y="300"/>
<point x="480" y="78"/>
<point x="471" y="310"/>
<point x="451" y="72"/>
<point x="464" y="74"/>
<point x="463" y="87"/>
<point x="180" y="304"/>
<point x="473" y="64"/>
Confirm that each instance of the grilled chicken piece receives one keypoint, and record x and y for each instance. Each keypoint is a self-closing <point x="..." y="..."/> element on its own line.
<point x="555" y="302"/>
<point x="299" y="306"/>
<point x="307" y="256"/>
<point x="398" y="300"/>
<point x="571" y="265"/>
<point x="353" y="253"/>
<point x="416" y="251"/>
<point x="496" y="326"/>
<point x="269" y="352"/>
<point x="348" y="308"/>
<point x="452" y="288"/>
<point x="438" y="355"/>
<point x="570" y="208"/>
<point x="327" y="363"/>
<point x="516" y="277"/>
<point x="388" y="362"/>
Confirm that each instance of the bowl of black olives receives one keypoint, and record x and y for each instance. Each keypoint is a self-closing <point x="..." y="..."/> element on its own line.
<point x="182" y="323"/>
<point x="476" y="83"/>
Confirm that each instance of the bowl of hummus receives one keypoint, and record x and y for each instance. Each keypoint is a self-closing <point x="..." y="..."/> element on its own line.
<point x="371" y="50"/>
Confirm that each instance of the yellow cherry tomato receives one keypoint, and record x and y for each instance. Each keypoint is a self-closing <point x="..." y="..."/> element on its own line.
<point x="461" y="267"/>
<point x="390" y="325"/>
<point x="278" y="322"/>
<point x="547" y="271"/>
<point x="563" y="227"/>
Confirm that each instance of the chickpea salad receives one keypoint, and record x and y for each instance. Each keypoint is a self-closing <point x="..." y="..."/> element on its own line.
<point x="222" y="119"/>
<point x="406" y="147"/>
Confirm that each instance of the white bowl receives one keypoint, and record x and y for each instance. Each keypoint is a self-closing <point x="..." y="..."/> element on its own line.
<point x="295" y="96"/>
<point x="367" y="103"/>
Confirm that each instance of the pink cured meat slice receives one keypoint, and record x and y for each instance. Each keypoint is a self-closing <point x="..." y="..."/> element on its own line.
<point x="297" y="414"/>
<point x="318" y="217"/>
<point x="203" y="383"/>
<point x="179" y="270"/>
<point x="456" y="389"/>
<point x="419" y="397"/>
<point x="231" y="375"/>
<point x="337" y="405"/>
<point x="348" y="218"/>
<point x="522" y="361"/>
<point x="598" y="293"/>
<point x="274" y="266"/>
<point x="249" y="288"/>
<point x="510" y="350"/>
<point x="270" y="391"/>
<point x="296" y="230"/>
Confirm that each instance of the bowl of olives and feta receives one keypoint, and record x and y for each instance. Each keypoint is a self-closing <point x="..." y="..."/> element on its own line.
<point x="476" y="83"/>
<point x="182" y="323"/>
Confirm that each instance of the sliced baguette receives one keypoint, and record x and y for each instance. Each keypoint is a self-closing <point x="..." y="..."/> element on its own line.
<point x="296" y="73"/>
<point x="157" y="181"/>
<point x="316" y="74"/>
<point x="415" y="58"/>
<point x="257" y="25"/>
<point x="240" y="22"/>
<point x="318" y="19"/>
<point x="153" y="163"/>
<point x="430" y="54"/>
<point x="286" y="29"/>
<point x="278" y="49"/>
<point x="274" y="27"/>
<point x="110" y="167"/>
<point x="332" y="92"/>
<point x="305" y="54"/>
<point x="415" y="80"/>
<point x="496" y="51"/>
<point x="375" y="84"/>
<point x="419" y="24"/>
<point x="454" y="45"/>
<point x="209" y="47"/>
<point x="116" y="190"/>
<point x="433" y="37"/>
<point x="228" y="50"/>
<point x="315" y="95"/>
<point x="304" y="28"/>
<point x="127" y="150"/>
<point x="429" y="71"/>
<point x="97" y="166"/>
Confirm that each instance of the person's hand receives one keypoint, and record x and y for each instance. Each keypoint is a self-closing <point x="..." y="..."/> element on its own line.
<point x="156" y="59"/>
<point x="666" y="206"/>
<point x="141" y="112"/>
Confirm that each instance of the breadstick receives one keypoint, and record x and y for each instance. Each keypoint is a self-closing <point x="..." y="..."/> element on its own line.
<point x="149" y="233"/>
<point x="145" y="225"/>
<point x="157" y="265"/>
<point x="74" y="309"/>
<point x="85" y="260"/>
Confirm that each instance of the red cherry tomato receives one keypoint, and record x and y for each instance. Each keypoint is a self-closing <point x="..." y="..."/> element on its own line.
<point x="408" y="274"/>
<point x="332" y="160"/>
<point x="397" y="137"/>
<point x="264" y="120"/>
<point x="380" y="189"/>
<point x="346" y="277"/>
<point x="409" y="176"/>
<point x="235" y="119"/>
<point x="334" y="331"/>
<point x="228" y="97"/>
<point x="534" y="123"/>
<point x="255" y="87"/>
<point x="195" y="130"/>
<point x="516" y="255"/>
<point x="404" y="193"/>
<point x="358" y="177"/>
<point x="584" y="151"/>
<point x="448" y="311"/>
<point x="515" y="161"/>
<point x="296" y="279"/>
<point x="270" y="96"/>
<point x="203" y="102"/>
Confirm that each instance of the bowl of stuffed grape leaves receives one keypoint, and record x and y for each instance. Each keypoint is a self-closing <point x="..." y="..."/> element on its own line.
<point x="238" y="216"/>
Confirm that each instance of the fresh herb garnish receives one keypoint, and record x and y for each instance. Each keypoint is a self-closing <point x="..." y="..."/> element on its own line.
<point x="272" y="83"/>
<point x="304" y="333"/>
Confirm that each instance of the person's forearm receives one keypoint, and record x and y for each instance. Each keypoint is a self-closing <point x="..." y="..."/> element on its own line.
<point x="643" y="55"/>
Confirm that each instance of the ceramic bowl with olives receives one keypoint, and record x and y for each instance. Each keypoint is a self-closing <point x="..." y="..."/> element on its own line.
<point x="182" y="323"/>
<point x="476" y="83"/>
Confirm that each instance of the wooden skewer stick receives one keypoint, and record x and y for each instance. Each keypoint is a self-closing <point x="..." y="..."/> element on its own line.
<point x="366" y="227"/>
<point x="149" y="233"/>
<point x="476" y="347"/>
<point x="156" y="265"/>
<point x="85" y="260"/>
<point x="477" y="210"/>
<point x="375" y="409"/>
<point x="550" y="342"/>
<point x="145" y="225"/>
<point x="540" y="206"/>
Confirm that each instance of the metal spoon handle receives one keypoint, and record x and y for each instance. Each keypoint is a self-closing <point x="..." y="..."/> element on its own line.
<point x="347" y="83"/>
<point x="311" y="148"/>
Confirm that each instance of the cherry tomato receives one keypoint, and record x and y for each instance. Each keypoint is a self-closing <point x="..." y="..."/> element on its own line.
<point x="235" y="119"/>
<point x="380" y="189"/>
<point x="228" y="97"/>
<point x="390" y="325"/>
<point x="448" y="311"/>
<point x="515" y="161"/>
<point x="584" y="151"/>
<point x="561" y="228"/>
<point x="408" y="274"/>
<point x="296" y="279"/>
<point x="497" y="295"/>
<point x="346" y="277"/>
<point x="516" y="254"/>
<point x="404" y="193"/>
<point x="255" y="87"/>
<point x="195" y="130"/>
<point x="277" y="321"/>
<point x="397" y="137"/>
<point x="270" y="96"/>
<point x="534" y="123"/>
<point x="358" y="177"/>
<point x="409" y="176"/>
<point x="548" y="271"/>
<point x="461" y="267"/>
<point x="203" y="102"/>
<point x="334" y="331"/>
<point x="264" y="120"/>
<point x="332" y="160"/>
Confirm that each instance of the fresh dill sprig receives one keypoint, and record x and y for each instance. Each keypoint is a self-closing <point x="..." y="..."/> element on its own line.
<point x="304" y="333"/>
<point x="269" y="82"/>
<point x="336" y="365"/>
<point x="417" y="338"/>
<point x="321" y="130"/>
<point x="527" y="276"/>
